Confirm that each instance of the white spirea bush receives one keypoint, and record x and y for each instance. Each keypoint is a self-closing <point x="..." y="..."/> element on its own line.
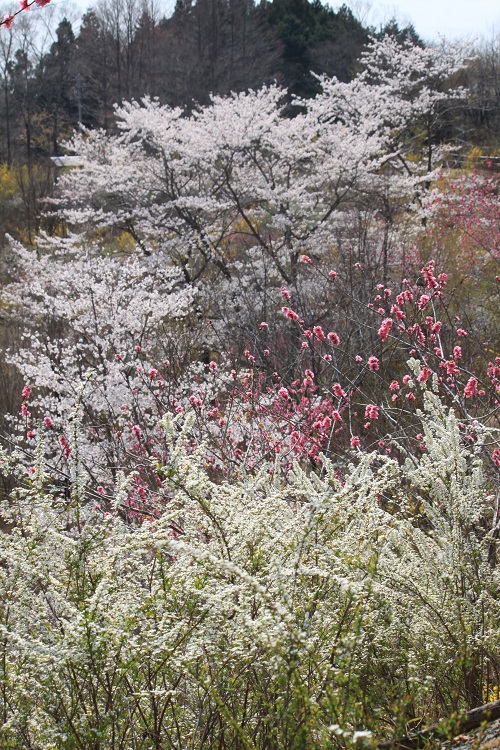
<point x="253" y="614"/>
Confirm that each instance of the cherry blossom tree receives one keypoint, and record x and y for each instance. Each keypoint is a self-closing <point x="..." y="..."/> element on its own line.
<point x="204" y="238"/>
<point x="191" y="185"/>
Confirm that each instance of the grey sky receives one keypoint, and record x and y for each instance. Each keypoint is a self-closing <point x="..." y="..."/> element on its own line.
<point x="451" y="18"/>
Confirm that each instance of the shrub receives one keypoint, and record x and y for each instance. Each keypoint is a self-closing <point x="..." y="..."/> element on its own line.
<point x="253" y="613"/>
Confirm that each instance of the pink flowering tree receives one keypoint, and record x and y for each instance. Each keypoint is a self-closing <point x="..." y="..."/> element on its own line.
<point x="462" y="234"/>
<point x="342" y="401"/>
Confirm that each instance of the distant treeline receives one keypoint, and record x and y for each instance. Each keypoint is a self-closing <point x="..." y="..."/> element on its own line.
<point x="124" y="50"/>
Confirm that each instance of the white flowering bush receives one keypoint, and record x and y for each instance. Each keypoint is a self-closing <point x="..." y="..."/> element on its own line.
<point x="326" y="611"/>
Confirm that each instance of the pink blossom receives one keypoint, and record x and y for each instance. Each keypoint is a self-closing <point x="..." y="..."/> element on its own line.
<point x="305" y="259"/>
<point x="65" y="445"/>
<point x="496" y="456"/>
<point x="48" y="422"/>
<point x="137" y="431"/>
<point x="26" y="392"/>
<point x="319" y="333"/>
<point x="451" y="368"/>
<point x="371" y="411"/>
<point x="212" y="366"/>
<point x="290" y="314"/>
<point x="196" y="402"/>
<point x="471" y="388"/>
<point x="286" y="294"/>
<point x="429" y="277"/>
<point x="30" y="434"/>
<point x="8" y="20"/>
<point x="153" y="373"/>
<point x="266" y="352"/>
<point x="101" y="490"/>
<point x="422" y="303"/>
<point x="336" y="416"/>
<point x="333" y="338"/>
<point x="118" y="357"/>
<point x="25" y="4"/>
<point x="263" y="325"/>
<point x="406" y="379"/>
<point x="384" y="329"/>
<point x="24" y="411"/>
<point x="355" y="441"/>
<point x="332" y="275"/>
<point x="424" y="375"/>
<point x="283" y="393"/>
<point x="457" y="352"/>
<point x="461" y="332"/>
<point x="339" y="391"/>
<point x="32" y="470"/>
<point x="373" y="363"/>
<point x="328" y="357"/>
<point x="358" y="358"/>
<point x="394" y="386"/>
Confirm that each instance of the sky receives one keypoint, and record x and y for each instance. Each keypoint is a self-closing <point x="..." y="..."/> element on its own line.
<point x="450" y="18"/>
<point x="431" y="18"/>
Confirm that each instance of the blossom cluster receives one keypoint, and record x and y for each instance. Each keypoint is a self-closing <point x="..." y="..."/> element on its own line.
<point x="8" y="18"/>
